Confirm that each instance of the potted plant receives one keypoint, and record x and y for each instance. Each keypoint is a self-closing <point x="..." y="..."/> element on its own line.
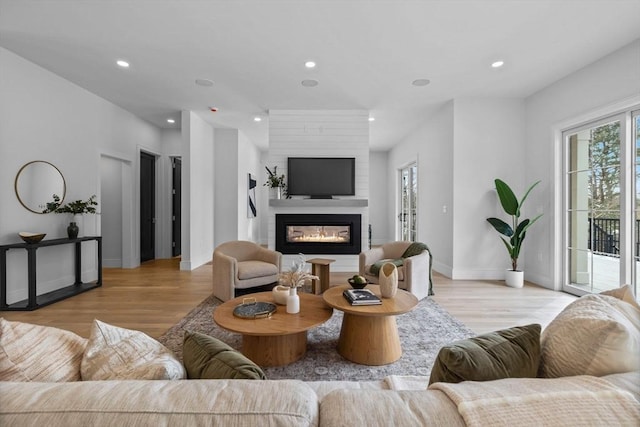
<point x="514" y="232"/>
<point x="76" y="208"/>
<point x="275" y="182"/>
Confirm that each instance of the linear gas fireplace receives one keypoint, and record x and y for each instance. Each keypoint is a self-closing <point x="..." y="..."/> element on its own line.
<point x="318" y="233"/>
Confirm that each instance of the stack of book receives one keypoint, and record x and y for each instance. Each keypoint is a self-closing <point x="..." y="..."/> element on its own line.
<point x="361" y="297"/>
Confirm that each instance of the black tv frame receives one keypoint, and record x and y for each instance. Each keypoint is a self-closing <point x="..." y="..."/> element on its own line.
<point x="326" y="195"/>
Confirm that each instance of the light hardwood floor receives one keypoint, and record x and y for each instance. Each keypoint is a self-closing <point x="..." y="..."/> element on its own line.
<point x="156" y="295"/>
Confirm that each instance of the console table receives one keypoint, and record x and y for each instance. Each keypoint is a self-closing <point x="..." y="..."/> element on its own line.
<point x="34" y="300"/>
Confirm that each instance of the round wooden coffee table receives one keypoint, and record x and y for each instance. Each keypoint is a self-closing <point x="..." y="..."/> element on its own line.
<point x="277" y="340"/>
<point x="369" y="334"/>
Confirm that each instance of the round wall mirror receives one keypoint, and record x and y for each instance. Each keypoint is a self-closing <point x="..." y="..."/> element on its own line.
<point x="36" y="183"/>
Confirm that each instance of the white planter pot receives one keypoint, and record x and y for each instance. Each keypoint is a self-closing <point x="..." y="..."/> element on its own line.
<point x="514" y="278"/>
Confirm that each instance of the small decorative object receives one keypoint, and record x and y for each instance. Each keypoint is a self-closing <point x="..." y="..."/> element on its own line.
<point x="388" y="279"/>
<point x="29" y="237"/>
<point x="515" y="232"/>
<point x="293" y="301"/>
<point x="253" y="309"/>
<point x="72" y="230"/>
<point x="293" y="279"/>
<point x="280" y="294"/>
<point x="275" y="182"/>
<point x="357" y="282"/>
<point x="252" y="211"/>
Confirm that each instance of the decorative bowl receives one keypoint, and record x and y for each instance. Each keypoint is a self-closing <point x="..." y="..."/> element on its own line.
<point x="355" y="285"/>
<point x="29" y="237"/>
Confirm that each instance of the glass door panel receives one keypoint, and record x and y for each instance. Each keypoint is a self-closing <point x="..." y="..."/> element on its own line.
<point x="593" y="207"/>
<point x="408" y="216"/>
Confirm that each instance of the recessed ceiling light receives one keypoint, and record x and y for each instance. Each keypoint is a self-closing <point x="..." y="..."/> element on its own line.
<point x="420" y="82"/>
<point x="497" y="64"/>
<point x="122" y="63"/>
<point x="204" y="82"/>
<point x="310" y="64"/>
<point x="309" y="83"/>
<point x="171" y="121"/>
<point x="372" y="119"/>
<point x="257" y="119"/>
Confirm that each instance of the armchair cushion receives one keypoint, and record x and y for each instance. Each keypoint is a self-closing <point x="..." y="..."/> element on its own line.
<point x="253" y="269"/>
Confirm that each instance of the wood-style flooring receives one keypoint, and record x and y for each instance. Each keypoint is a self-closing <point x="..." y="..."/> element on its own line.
<point x="153" y="297"/>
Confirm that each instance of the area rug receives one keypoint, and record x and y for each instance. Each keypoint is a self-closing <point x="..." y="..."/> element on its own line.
<point x="422" y="331"/>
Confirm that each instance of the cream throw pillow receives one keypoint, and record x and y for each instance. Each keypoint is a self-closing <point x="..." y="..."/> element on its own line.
<point x="115" y="353"/>
<point x="594" y="335"/>
<point x="39" y="353"/>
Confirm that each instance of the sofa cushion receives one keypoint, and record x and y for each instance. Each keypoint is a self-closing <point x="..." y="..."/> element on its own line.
<point x="159" y="403"/>
<point x="594" y="335"/>
<point x="39" y="353"/>
<point x="253" y="269"/>
<point x="623" y="293"/>
<point x="508" y="353"/>
<point x="206" y="357"/>
<point x="115" y="353"/>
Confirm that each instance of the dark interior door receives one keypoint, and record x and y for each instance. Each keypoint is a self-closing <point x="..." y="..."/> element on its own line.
<point x="147" y="207"/>
<point x="176" y="200"/>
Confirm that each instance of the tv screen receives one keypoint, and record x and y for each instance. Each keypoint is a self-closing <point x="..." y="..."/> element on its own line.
<point x="321" y="177"/>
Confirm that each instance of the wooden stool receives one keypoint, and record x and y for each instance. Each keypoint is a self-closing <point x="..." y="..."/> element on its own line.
<point x="320" y="268"/>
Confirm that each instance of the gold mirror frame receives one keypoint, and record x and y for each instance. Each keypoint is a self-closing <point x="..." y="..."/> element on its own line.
<point x="35" y="184"/>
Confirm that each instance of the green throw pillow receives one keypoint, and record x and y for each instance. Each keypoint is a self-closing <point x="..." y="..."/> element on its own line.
<point x="509" y="353"/>
<point x="205" y="357"/>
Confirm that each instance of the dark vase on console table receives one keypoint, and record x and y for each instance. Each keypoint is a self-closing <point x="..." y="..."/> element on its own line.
<point x="72" y="230"/>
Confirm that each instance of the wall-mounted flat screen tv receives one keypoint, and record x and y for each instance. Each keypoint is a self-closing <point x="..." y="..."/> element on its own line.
<point x="321" y="177"/>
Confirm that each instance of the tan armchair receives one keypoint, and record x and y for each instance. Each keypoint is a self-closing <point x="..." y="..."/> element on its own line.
<point x="242" y="264"/>
<point x="414" y="275"/>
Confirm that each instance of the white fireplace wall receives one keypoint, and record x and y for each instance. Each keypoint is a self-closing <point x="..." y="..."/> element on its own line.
<point x="320" y="133"/>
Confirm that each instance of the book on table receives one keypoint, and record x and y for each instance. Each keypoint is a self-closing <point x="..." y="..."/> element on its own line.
<point x="361" y="297"/>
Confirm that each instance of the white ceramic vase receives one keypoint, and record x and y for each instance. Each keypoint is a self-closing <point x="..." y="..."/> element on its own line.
<point x="280" y="294"/>
<point x="388" y="280"/>
<point x="514" y="278"/>
<point x="293" y="301"/>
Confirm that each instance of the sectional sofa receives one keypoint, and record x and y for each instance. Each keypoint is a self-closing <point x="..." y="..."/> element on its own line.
<point x="587" y="372"/>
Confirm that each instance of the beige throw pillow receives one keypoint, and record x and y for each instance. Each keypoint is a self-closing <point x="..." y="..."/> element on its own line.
<point x="594" y="335"/>
<point x="115" y="353"/>
<point x="39" y="353"/>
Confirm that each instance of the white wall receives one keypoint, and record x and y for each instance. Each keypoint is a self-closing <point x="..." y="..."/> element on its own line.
<point x="111" y="211"/>
<point x="45" y="117"/>
<point x="580" y="96"/>
<point x="432" y="147"/>
<point x="226" y="187"/>
<point x="248" y="162"/>
<point x="379" y="188"/>
<point x="197" y="195"/>
<point x="488" y="144"/>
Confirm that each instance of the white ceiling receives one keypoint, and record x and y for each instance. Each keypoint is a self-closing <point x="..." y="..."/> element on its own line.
<point x="368" y="53"/>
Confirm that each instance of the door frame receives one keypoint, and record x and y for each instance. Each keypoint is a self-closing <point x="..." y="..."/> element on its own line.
<point x="557" y="178"/>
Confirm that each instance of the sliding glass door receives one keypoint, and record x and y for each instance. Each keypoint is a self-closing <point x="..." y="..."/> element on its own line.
<point x="601" y="204"/>
<point x="408" y="216"/>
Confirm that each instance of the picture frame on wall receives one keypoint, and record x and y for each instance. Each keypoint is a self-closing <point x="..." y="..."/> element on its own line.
<point x="252" y="211"/>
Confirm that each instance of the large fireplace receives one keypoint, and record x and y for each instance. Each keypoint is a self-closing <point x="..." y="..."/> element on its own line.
<point x="318" y="233"/>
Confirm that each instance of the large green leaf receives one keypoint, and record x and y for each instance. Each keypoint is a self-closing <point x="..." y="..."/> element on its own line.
<point x="525" y="196"/>
<point x="501" y="226"/>
<point x="507" y="198"/>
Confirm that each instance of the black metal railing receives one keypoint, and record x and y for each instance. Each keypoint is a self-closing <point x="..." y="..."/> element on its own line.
<point x="604" y="235"/>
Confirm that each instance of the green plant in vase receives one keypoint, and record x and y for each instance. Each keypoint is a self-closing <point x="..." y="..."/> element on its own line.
<point x="514" y="232"/>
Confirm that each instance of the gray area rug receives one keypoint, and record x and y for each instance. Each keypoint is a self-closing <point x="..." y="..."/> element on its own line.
<point x="422" y="332"/>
